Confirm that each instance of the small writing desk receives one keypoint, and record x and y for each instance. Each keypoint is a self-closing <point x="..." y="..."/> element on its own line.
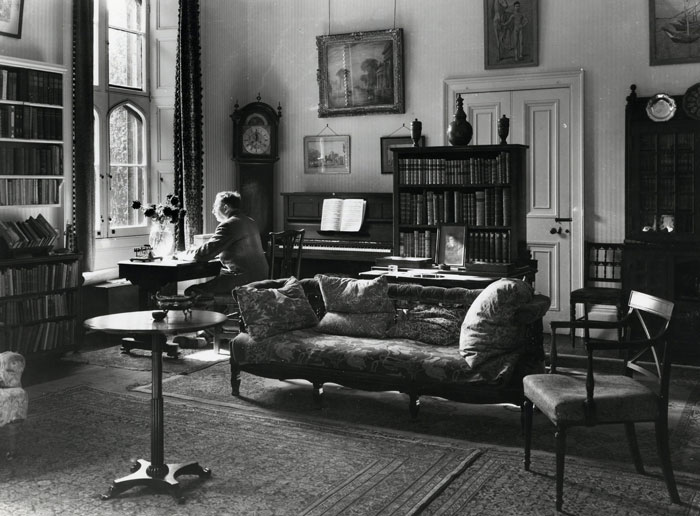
<point x="156" y="473"/>
<point x="153" y="276"/>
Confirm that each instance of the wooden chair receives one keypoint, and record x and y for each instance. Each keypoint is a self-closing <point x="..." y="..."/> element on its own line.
<point x="284" y="250"/>
<point x="590" y="399"/>
<point x="602" y="264"/>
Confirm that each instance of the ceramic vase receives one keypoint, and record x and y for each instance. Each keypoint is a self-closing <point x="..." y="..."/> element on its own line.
<point x="162" y="239"/>
<point x="503" y="128"/>
<point x="416" y="129"/>
<point x="460" y="130"/>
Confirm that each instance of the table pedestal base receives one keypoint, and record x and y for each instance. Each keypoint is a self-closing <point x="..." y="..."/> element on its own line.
<point x="168" y="482"/>
<point x="129" y="343"/>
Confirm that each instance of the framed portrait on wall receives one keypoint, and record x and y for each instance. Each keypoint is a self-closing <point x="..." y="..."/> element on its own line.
<point x="452" y="245"/>
<point x="11" y="18"/>
<point x="360" y="73"/>
<point x="386" y="143"/>
<point x="674" y="32"/>
<point x="327" y="154"/>
<point x="510" y="33"/>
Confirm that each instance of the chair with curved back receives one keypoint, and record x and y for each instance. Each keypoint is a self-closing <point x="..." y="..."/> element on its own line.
<point x="588" y="399"/>
<point x="284" y="251"/>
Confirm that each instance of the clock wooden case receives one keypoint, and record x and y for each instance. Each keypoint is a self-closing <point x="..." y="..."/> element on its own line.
<point x="255" y="133"/>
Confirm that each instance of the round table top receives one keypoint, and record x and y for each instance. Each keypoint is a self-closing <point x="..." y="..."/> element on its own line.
<point x="143" y="322"/>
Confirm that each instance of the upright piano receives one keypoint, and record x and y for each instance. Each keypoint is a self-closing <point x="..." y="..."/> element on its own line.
<point x="340" y="251"/>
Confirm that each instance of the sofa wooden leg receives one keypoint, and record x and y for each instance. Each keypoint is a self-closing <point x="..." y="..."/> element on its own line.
<point x="413" y="405"/>
<point x="318" y="395"/>
<point x="235" y="377"/>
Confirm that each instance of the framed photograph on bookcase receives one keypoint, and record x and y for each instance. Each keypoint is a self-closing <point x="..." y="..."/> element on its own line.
<point x="452" y="245"/>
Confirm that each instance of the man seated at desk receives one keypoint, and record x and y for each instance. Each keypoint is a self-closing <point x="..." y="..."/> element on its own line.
<point x="236" y="243"/>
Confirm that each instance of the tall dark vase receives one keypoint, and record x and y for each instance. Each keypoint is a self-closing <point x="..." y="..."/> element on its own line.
<point x="503" y="129"/>
<point x="460" y="131"/>
<point x="416" y="129"/>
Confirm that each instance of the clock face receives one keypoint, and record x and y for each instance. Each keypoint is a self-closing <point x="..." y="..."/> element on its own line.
<point x="256" y="139"/>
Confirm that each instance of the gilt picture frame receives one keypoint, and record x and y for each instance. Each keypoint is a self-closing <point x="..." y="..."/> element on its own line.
<point x="511" y="33"/>
<point x="11" y="18"/>
<point x="327" y="154"/>
<point x="386" y="143"/>
<point x="360" y="73"/>
<point x="452" y="245"/>
<point x="674" y="33"/>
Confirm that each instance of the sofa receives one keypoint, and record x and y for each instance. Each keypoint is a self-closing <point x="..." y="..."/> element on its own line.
<point x="465" y="345"/>
<point x="14" y="400"/>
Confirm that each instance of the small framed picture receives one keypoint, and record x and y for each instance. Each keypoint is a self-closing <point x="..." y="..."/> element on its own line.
<point x="11" y="18"/>
<point x="389" y="142"/>
<point x="510" y="33"/>
<point x="327" y="154"/>
<point x="673" y="32"/>
<point x="452" y="245"/>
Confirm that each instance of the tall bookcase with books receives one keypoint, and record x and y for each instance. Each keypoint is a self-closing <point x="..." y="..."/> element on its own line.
<point x="39" y="289"/>
<point x="478" y="187"/>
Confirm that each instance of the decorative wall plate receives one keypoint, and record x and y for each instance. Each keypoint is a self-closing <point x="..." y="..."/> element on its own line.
<point x="691" y="101"/>
<point x="661" y="108"/>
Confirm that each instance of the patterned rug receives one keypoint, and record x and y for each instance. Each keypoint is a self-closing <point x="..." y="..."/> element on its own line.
<point x="489" y="424"/>
<point x="75" y="442"/>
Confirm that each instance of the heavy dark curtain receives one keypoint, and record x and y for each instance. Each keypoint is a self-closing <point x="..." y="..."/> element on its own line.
<point x="83" y="194"/>
<point x="188" y="120"/>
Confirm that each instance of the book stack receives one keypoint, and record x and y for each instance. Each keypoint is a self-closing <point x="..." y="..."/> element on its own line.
<point x="32" y="236"/>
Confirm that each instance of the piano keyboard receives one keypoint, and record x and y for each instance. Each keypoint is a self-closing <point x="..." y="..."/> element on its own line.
<point x="345" y="248"/>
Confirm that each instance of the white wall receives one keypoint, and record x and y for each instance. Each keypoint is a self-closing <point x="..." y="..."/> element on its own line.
<point x="271" y="44"/>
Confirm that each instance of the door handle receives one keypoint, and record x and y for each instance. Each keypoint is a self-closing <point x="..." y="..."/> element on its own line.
<point x="559" y="220"/>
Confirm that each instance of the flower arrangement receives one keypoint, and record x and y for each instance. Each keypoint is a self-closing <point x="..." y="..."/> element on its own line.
<point x="170" y="211"/>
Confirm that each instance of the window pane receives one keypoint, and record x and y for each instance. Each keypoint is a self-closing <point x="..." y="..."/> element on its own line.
<point x="127" y="14"/>
<point x="125" y="59"/>
<point x="127" y="184"/>
<point x="126" y="137"/>
<point x="98" y="181"/>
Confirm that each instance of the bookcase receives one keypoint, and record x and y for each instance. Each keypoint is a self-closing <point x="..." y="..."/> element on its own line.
<point x="661" y="254"/>
<point x="479" y="187"/>
<point x="39" y="304"/>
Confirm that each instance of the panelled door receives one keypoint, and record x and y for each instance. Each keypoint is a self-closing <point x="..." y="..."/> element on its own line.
<point x="539" y="118"/>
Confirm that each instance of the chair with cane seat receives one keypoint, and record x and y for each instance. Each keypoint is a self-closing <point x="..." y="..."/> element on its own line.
<point x="589" y="399"/>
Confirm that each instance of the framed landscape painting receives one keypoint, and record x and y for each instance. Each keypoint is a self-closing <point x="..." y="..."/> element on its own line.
<point x="674" y="32"/>
<point x="510" y="33"/>
<point x="327" y="154"/>
<point x="11" y="18"/>
<point x="360" y="73"/>
<point x="389" y="142"/>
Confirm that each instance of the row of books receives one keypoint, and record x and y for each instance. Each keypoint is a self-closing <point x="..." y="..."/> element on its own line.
<point x="441" y="171"/>
<point x="46" y="336"/>
<point x="21" y="160"/>
<point x="38" y="279"/>
<point x="33" y="232"/>
<point x="29" y="191"/>
<point x="420" y="244"/>
<point x="25" y="85"/>
<point x="488" y="207"/>
<point x="26" y="311"/>
<point x="30" y="122"/>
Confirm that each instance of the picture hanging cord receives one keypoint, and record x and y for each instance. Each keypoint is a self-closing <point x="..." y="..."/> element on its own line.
<point x="329" y="16"/>
<point x="329" y="128"/>
<point x="403" y="126"/>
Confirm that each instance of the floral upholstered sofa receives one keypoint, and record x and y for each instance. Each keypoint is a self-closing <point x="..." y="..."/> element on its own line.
<point x="467" y="345"/>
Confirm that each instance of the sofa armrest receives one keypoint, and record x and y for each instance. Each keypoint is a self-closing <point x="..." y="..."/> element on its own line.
<point x="11" y="368"/>
<point x="535" y="309"/>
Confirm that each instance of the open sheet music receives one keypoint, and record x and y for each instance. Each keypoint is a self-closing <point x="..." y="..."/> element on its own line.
<point x="342" y="214"/>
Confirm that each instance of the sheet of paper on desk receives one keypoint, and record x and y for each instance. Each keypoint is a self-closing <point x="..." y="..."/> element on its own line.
<point x="342" y="214"/>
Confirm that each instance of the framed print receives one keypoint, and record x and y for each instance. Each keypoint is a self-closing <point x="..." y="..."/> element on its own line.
<point x="452" y="245"/>
<point x="327" y="154"/>
<point x="387" y="143"/>
<point x="510" y="33"/>
<point x="360" y="73"/>
<point x="11" y="18"/>
<point x="674" y="32"/>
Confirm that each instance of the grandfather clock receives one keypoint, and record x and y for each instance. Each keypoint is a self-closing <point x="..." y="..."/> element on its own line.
<point x="255" y="150"/>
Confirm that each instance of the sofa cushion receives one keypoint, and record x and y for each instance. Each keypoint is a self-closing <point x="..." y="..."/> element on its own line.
<point x="270" y="311"/>
<point x="355" y="296"/>
<point x="356" y="308"/>
<point x="431" y="324"/>
<point x="493" y="329"/>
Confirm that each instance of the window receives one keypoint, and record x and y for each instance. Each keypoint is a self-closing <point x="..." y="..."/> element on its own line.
<point x="122" y="173"/>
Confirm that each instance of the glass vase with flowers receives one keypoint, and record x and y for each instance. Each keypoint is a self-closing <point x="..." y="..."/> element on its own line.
<point x="163" y="216"/>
